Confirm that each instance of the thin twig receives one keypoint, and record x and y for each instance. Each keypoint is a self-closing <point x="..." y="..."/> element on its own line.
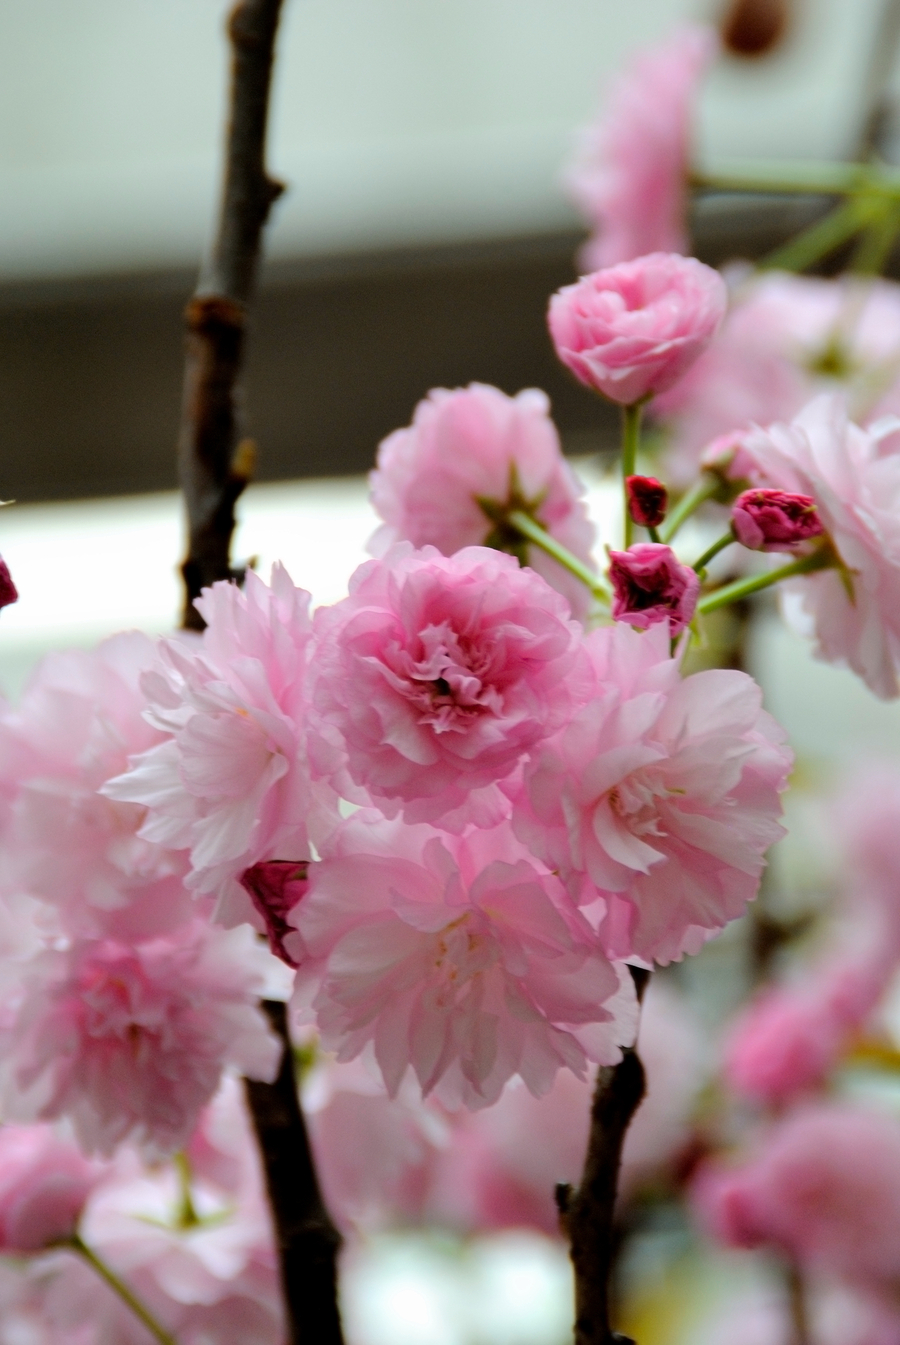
<point x="215" y="463"/>
<point x="308" y="1242"/>
<point x="586" y="1214"/>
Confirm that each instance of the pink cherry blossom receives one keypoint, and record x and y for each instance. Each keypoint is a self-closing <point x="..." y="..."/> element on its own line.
<point x="786" y="339"/>
<point x="823" y="1186"/>
<point x="44" y="1185"/>
<point x="651" y="585"/>
<point x="633" y="330"/>
<point x="129" y="1041"/>
<point x="630" y="170"/>
<point x="473" y="453"/>
<point x="774" y="520"/>
<point x="435" y="676"/>
<point x="457" y="957"/>
<point x="8" y="591"/>
<point x="854" y="477"/>
<point x="230" y="783"/>
<point x="661" y="795"/>
<point x="79" y="719"/>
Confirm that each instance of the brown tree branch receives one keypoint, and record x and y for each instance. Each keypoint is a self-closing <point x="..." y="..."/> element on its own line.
<point x="586" y="1213"/>
<point x="215" y="463"/>
<point x="308" y="1242"/>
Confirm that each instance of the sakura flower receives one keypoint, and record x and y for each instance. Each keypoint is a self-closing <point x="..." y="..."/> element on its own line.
<point x="434" y="677"/>
<point x="469" y="457"/>
<point x="630" y="170"/>
<point x="44" y="1185"/>
<point x="853" y="475"/>
<point x="79" y="719"/>
<point x="823" y="1186"/>
<point x="457" y="957"/>
<point x="230" y="783"/>
<point x="129" y="1041"/>
<point x="651" y="585"/>
<point x="661" y="796"/>
<point x="633" y="330"/>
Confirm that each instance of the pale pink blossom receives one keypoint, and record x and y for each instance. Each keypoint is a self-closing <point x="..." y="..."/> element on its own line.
<point x="786" y="339"/>
<point x="660" y="796"/>
<point x="230" y="783"/>
<point x="774" y="520"/>
<point x="470" y="456"/>
<point x="44" y="1185"/>
<point x="823" y="1186"/>
<point x="630" y="170"/>
<point x="459" y="958"/>
<point x="633" y="330"/>
<point x="435" y="676"/>
<point x="854" y="477"/>
<point x="650" y="585"/>
<point x="129" y="1041"/>
<point x="79" y="719"/>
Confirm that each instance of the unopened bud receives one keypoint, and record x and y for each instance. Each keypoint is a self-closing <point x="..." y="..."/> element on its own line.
<point x="275" y="886"/>
<point x="8" y="591"/>
<point x="648" y="500"/>
<point x="775" y="520"/>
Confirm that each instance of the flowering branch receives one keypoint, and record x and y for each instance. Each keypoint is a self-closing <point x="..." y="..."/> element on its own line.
<point x="586" y="1214"/>
<point x="214" y="463"/>
<point x="308" y="1242"/>
<point x="119" y="1288"/>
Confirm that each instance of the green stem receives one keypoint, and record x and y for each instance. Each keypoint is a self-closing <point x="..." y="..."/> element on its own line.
<point x="822" y="559"/>
<point x="875" y="245"/>
<point x="533" y="532"/>
<point x="118" y="1287"/>
<point x="725" y="540"/>
<point x="187" y="1214"/>
<point x="703" y="489"/>
<point x="824" y="236"/>
<point x="798" y="178"/>
<point x="631" y="437"/>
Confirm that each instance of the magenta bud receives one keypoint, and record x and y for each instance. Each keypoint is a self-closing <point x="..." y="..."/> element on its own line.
<point x="8" y="591"/>
<point x="648" y="500"/>
<point x="275" y="886"/>
<point x="774" y="520"/>
<point x="650" y="584"/>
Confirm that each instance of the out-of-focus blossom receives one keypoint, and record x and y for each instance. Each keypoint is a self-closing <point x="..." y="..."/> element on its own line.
<point x="458" y="957"/>
<point x="774" y="520"/>
<point x="633" y="330"/>
<point x="275" y="887"/>
<point x="44" y="1184"/>
<point x="661" y="796"/>
<point x="823" y="1186"/>
<point x="786" y="339"/>
<point x="853" y="475"/>
<point x="435" y="676"/>
<point x="648" y="500"/>
<point x="468" y="458"/>
<point x="8" y="591"/>
<point x="630" y="170"/>
<point x="129" y="1041"/>
<point x="230" y="783"/>
<point x="651" y="585"/>
<point x="79" y="719"/>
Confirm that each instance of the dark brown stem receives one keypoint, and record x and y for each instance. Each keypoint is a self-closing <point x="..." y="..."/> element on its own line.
<point x="215" y="462"/>
<point x="308" y="1242"/>
<point x="587" y="1213"/>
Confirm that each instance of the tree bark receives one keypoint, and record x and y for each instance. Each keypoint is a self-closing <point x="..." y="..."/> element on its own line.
<point x="215" y="461"/>
<point x="587" y="1212"/>
<point x="308" y="1242"/>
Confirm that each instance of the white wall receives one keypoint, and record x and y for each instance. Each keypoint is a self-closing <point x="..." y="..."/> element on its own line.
<point x="395" y="121"/>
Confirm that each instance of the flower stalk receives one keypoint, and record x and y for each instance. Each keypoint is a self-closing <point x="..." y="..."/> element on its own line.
<point x="120" y="1289"/>
<point x="538" y="536"/>
<point x="821" y="559"/>
<point x="631" y="436"/>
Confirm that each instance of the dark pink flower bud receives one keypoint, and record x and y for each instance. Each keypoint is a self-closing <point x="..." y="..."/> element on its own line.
<point x="650" y="584"/>
<point x="8" y="591"/>
<point x="275" y="887"/>
<point x="648" y="500"/>
<point x="774" y="520"/>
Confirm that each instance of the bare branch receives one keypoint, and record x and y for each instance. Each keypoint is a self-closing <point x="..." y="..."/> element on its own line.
<point x="308" y="1242"/>
<point x="215" y="463"/>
